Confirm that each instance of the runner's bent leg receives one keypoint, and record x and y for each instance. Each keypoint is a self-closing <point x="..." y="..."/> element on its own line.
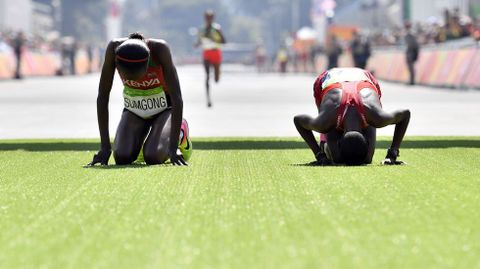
<point x="371" y="137"/>
<point x="131" y="133"/>
<point x="156" y="147"/>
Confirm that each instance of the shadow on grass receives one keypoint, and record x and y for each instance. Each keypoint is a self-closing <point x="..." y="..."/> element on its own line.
<point x="313" y="164"/>
<point x="115" y="167"/>
<point x="238" y="145"/>
<point x="112" y="166"/>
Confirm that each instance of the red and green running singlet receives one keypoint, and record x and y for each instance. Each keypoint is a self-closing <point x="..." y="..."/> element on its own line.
<point x="147" y="96"/>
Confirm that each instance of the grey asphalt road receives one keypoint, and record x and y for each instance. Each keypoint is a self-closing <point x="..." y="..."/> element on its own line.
<point x="244" y="104"/>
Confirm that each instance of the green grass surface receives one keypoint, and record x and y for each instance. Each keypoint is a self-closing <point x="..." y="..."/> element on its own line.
<point x="242" y="203"/>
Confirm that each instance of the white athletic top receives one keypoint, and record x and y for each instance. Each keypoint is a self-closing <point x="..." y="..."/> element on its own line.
<point x="212" y="39"/>
<point x="336" y="75"/>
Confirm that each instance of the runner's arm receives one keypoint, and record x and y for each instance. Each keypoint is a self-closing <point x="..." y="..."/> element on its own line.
<point x="222" y="37"/>
<point x="104" y="88"/>
<point x="173" y="85"/>
<point x="198" y="42"/>
<point x="306" y="125"/>
<point x="379" y="118"/>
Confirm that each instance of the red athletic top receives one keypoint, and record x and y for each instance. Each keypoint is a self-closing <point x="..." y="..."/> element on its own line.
<point x="333" y="79"/>
<point x="153" y="78"/>
<point x="147" y="96"/>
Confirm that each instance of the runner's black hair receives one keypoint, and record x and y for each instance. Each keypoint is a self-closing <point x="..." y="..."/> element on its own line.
<point x="353" y="148"/>
<point x="136" y="35"/>
<point x="133" y="54"/>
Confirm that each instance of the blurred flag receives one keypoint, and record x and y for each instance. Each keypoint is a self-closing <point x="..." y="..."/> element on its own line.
<point x="113" y="21"/>
<point x="320" y="7"/>
<point x="322" y="13"/>
<point x="328" y="5"/>
<point x="114" y="9"/>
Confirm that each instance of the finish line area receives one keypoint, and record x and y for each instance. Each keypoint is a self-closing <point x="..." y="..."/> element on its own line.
<point x="248" y="192"/>
<point x="244" y="104"/>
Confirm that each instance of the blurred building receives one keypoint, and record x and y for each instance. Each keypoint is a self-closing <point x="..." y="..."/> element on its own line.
<point x="370" y="14"/>
<point x="84" y="20"/>
<point x="475" y="8"/>
<point x="16" y="16"/>
<point x="421" y="11"/>
<point x="39" y="17"/>
<point x="46" y="16"/>
<point x="113" y="22"/>
<point x="378" y="14"/>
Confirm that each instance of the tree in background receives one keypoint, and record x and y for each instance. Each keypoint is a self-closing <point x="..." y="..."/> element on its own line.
<point x="170" y="19"/>
<point x="84" y="20"/>
<point x="277" y="18"/>
<point x="243" y="21"/>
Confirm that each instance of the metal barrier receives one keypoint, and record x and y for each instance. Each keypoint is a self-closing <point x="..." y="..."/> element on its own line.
<point x="44" y="64"/>
<point x="440" y="66"/>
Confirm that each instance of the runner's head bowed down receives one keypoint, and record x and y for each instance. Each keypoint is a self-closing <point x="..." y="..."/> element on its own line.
<point x="132" y="57"/>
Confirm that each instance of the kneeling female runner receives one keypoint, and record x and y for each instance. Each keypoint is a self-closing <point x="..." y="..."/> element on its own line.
<point x="152" y="116"/>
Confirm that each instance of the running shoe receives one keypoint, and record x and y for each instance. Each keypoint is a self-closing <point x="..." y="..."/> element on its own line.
<point x="184" y="142"/>
<point x="140" y="158"/>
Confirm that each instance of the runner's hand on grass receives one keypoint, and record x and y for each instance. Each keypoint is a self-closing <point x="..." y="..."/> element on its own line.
<point x="101" y="157"/>
<point x="177" y="159"/>
<point x="390" y="162"/>
<point x="391" y="158"/>
<point x="322" y="159"/>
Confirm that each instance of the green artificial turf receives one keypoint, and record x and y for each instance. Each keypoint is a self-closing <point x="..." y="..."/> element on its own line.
<point x="242" y="203"/>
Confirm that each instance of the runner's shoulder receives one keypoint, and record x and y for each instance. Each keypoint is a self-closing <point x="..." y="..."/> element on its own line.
<point x="332" y="99"/>
<point x="157" y="43"/>
<point x="159" y="49"/>
<point x="114" y="43"/>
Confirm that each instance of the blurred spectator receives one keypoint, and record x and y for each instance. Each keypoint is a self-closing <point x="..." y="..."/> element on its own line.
<point x="412" y="51"/>
<point x="73" y="55"/>
<point x="69" y="52"/>
<point x="303" y="56"/>
<point x="17" y="44"/>
<point x="314" y="51"/>
<point x="282" y="59"/>
<point x="360" y="48"/>
<point x="333" y="50"/>
<point x="293" y="56"/>
<point x="89" y="49"/>
<point x="260" y="57"/>
<point x="476" y="30"/>
<point x="453" y="25"/>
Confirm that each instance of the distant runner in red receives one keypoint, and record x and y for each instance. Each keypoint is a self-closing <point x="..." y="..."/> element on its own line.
<point x="211" y="38"/>
<point x="153" y="105"/>
<point x="349" y="111"/>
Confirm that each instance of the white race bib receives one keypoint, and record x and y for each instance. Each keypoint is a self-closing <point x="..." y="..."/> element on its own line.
<point x="145" y="103"/>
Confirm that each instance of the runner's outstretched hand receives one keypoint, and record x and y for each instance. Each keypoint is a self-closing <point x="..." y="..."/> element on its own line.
<point x="391" y="162"/>
<point x="391" y="158"/>
<point x="322" y="160"/>
<point x="101" y="157"/>
<point x="177" y="159"/>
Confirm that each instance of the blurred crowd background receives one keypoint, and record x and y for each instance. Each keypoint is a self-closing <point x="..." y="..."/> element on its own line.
<point x="274" y="35"/>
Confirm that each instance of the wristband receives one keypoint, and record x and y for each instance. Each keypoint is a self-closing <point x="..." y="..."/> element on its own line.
<point x="393" y="153"/>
